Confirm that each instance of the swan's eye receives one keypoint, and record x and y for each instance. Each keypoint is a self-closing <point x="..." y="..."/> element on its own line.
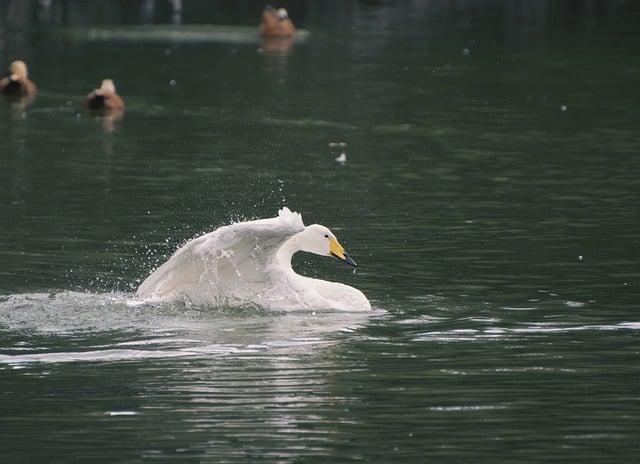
<point x="326" y="236"/>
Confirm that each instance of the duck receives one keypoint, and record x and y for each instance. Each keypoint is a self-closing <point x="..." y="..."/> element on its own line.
<point x="105" y="98"/>
<point x="248" y="264"/>
<point x="276" y="23"/>
<point x="17" y="83"/>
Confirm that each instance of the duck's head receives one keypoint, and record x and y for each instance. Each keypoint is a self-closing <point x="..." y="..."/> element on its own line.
<point x="18" y="70"/>
<point x="282" y="14"/>
<point x="107" y="86"/>
<point x="320" y="240"/>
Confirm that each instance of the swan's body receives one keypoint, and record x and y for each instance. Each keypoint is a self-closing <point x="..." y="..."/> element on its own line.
<point x="249" y="263"/>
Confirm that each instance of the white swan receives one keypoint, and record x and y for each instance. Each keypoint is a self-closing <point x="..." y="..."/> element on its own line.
<point x="249" y="263"/>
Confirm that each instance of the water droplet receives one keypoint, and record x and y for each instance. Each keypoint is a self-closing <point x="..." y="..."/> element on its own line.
<point x="172" y="83"/>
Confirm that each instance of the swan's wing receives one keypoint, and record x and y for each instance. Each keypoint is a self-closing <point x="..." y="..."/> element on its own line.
<point x="179" y="271"/>
<point x="230" y="256"/>
<point x="242" y="251"/>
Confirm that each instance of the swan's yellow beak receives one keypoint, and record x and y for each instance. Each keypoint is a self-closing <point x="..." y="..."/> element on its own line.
<point x="336" y="250"/>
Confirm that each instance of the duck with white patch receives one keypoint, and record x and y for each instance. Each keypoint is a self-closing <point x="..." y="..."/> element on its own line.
<point x="104" y="99"/>
<point x="276" y="23"/>
<point x="17" y="83"/>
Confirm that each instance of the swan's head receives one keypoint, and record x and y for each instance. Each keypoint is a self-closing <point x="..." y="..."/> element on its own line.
<point x="321" y="241"/>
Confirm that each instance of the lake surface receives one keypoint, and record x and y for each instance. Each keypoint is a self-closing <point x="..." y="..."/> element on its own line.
<point x="490" y="197"/>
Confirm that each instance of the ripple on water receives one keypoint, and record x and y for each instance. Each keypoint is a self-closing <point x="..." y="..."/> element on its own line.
<point x="106" y="328"/>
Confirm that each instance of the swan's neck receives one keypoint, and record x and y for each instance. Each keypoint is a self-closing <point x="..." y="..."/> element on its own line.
<point x="287" y="250"/>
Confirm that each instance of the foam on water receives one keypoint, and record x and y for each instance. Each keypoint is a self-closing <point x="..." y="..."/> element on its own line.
<point x="108" y="327"/>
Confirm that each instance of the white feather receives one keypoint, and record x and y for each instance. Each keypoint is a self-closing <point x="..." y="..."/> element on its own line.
<point x="249" y="263"/>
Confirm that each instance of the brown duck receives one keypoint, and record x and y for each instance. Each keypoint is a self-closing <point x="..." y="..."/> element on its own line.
<point x="276" y="23"/>
<point x="17" y="82"/>
<point x="104" y="98"/>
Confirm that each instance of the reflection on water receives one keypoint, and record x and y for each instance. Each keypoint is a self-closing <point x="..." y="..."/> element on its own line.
<point x="216" y="385"/>
<point x="245" y="376"/>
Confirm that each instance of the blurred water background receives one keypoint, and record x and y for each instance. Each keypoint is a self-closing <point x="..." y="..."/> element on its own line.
<point x="490" y="197"/>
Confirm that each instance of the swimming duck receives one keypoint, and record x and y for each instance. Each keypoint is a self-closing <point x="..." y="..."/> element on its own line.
<point x="276" y="23"/>
<point x="17" y="82"/>
<point x="104" y="98"/>
<point x="249" y="263"/>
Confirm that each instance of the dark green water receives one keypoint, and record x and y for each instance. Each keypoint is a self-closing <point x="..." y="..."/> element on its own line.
<point x="490" y="197"/>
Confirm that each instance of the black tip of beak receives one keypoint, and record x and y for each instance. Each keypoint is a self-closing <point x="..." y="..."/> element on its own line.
<point x="349" y="261"/>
